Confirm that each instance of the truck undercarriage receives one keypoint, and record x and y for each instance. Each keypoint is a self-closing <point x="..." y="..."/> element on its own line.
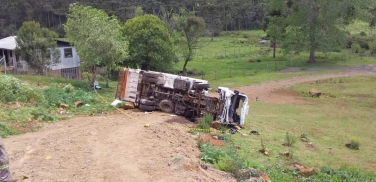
<point x="180" y="95"/>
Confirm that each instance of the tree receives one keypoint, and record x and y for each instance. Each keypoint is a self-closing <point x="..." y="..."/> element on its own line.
<point x="150" y="45"/>
<point x="212" y="14"/>
<point x="313" y="24"/>
<point x="37" y="46"/>
<point x="96" y="36"/>
<point x="192" y="28"/>
<point x="276" y="23"/>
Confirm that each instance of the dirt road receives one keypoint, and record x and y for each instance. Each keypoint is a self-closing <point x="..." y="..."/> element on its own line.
<point x="116" y="148"/>
<point x="275" y="91"/>
<point x="110" y="148"/>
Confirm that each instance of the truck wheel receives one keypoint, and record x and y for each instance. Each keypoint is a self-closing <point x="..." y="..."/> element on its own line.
<point x="147" y="102"/>
<point x="201" y="86"/>
<point x="146" y="107"/>
<point x="151" y="75"/>
<point x="166" y="106"/>
<point x="150" y="80"/>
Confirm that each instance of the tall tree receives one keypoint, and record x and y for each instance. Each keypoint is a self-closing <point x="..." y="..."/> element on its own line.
<point x="276" y="23"/>
<point x="37" y="46"/>
<point x="211" y="12"/>
<point x="96" y="36"/>
<point x="313" y="24"/>
<point x="192" y="29"/>
<point x="150" y="45"/>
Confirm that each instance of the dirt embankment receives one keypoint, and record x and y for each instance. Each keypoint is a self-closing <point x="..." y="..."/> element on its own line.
<point x="110" y="148"/>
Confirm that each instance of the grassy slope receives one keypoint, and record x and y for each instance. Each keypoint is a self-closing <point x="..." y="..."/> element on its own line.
<point x="329" y="122"/>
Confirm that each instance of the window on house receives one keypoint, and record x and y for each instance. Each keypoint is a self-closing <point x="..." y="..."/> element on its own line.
<point x="68" y="53"/>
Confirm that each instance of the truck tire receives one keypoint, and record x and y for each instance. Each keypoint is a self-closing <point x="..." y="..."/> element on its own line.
<point x="146" y="107"/>
<point x="151" y="75"/>
<point x="201" y="86"/>
<point x="147" y="102"/>
<point x="150" y="80"/>
<point x="166" y="106"/>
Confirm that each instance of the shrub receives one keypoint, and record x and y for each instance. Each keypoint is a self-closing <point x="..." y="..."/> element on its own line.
<point x="354" y="144"/>
<point x="363" y="34"/>
<point x="355" y="48"/>
<point x="372" y="47"/>
<point x="65" y="93"/>
<point x="206" y="122"/>
<point x="6" y="130"/>
<point x="21" y="116"/>
<point x="341" y="174"/>
<point x="303" y="135"/>
<point x="41" y="114"/>
<point x="11" y="89"/>
<point x="289" y="139"/>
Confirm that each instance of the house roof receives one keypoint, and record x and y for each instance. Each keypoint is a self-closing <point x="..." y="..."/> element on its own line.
<point x="8" y="43"/>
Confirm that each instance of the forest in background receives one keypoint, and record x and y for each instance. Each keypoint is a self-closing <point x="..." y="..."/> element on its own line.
<point x="219" y="15"/>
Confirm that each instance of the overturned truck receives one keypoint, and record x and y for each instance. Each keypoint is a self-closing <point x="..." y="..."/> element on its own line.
<point x="185" y="96"/>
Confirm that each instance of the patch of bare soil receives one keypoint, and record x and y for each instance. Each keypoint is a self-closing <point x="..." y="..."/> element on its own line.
<point x="275" y="91"/>
<point x="110" y="148"/>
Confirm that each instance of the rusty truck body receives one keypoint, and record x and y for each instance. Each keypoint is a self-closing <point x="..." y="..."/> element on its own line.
<point x="189" y="97"/>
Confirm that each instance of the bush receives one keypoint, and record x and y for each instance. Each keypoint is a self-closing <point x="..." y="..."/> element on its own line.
<point x="11" y="89"/>
<point x="354" y="144"/>
<point x="65" y="93"/>
<point x="289" y="139"/>
<point x="341" y="174"/>
<point x="206" y="122"/>
<point x="355" y="48"/>
<point x="372" y="47"/>
<point x="6" y="130"/>
<point x="363" y="34"/>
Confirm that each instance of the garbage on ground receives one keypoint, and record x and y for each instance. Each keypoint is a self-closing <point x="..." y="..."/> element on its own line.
<point x="233" y="131"/>
<point x="64" y="106"/>
<point x="148" y="112"/>
<point x="244" y="135"/>
<point x="116" y="102"/>
<point x="172" y="115"/>
<point x="100" y="112"/>
<point x="96" y="85"/>
<point x="87" y="105"/>
<point x="128" y="105"/>
<point x="254" y="133"/>
<point x="78" y="103"/>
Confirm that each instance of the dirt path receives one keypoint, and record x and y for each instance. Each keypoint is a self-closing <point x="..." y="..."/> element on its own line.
<point x="275" y="91"/>
<point x="110" y="148"/>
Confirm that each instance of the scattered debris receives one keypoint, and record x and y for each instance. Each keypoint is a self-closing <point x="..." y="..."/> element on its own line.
<point x="215" y="137"/>
<point x="148" y="112"/>
<point x="254" y="175"/>
<point x="304" y="139"/>
<point x="233" y="131"/>
<point x="78" y="103"/>
<point x="286" y="154"/>
<point x="302" y="170"/>
<point x="100" y="112"/>
<point x="244" y="135"/>
<point x="315" y="93"/>
<point x="254" y="133"/>
<point x="173" y="115"/>
<point x="62" y="112"/>
<point x="128" y="105"/>
<point x="216" y="125"/>
<point x="237" y="127"/>
<point x="87" y="105"/>
<point x="64" y="106"/>
<point x="116" y="102"/>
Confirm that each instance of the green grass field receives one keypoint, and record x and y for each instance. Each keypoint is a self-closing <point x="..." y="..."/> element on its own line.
<point x="329" y="122"/>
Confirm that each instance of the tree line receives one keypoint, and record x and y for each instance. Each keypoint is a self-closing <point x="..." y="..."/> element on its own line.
<point x="220" y="15"/>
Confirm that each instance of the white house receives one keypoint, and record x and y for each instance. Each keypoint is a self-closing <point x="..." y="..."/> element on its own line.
<point x="68" y="65"/>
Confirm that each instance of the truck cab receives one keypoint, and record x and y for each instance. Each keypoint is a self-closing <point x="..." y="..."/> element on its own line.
<point x="189" y="97"/>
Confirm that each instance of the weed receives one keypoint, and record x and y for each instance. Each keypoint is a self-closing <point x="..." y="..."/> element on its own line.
<point x="21" y="116"/>
<point x="304" y="135"/>
<point x="289" y="140"/>
<point x="354" y="144"/>
<point x="11" y="89"/>
<point x="206" y="122"/>
<point x="341" y="174"/>
<point x="6" y="130"/>
<point x="263" y="146"/>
